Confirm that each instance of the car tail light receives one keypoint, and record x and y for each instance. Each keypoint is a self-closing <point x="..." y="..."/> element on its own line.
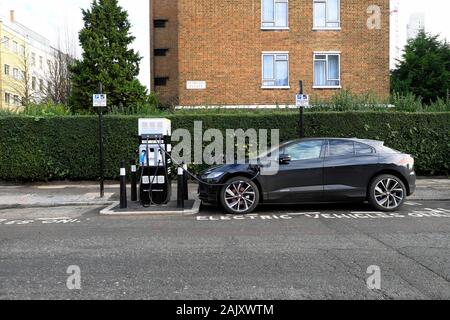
<point x="407" y="162"/>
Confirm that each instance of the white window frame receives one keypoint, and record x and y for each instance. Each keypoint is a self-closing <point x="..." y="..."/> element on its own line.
<point x="6" y="42"/>
<point x="16" y="74"/>
<point x="7" y="67"/>
<point x="16" y="99"/>
<point x="274" y="12"/>
<point x="15" y="47"/>
<point x="8" y="98"/>
<point x="274" y="53"/>
<point x="316" y="28"/>
<point x="327" y="53"/>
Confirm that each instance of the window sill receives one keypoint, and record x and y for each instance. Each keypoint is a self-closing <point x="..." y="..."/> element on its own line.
<point x="326" y="29"/>
<point x="327" y="87"/>
<point x="276" y="88"/>
<point x="275" y="28"/>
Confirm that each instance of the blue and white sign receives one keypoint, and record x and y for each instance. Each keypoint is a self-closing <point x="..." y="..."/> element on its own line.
<point x="302" y="100"/>
<point x="99" y="100"/>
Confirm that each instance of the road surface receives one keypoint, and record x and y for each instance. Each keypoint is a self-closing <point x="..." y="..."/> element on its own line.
<point x="302" y="252"/>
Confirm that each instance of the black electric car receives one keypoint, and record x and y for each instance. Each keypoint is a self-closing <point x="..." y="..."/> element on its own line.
<point x="319" y="170"/>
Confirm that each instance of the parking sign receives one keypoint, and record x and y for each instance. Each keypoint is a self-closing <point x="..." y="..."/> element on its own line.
<point x="99" y="100"/>
<point x="302" y="100"/>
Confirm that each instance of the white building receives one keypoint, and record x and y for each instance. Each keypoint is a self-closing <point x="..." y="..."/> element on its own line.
<point x="415" y="25"/>
<point x="36" y="55"/>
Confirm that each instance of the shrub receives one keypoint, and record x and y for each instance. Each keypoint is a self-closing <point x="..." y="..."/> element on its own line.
<point x="440" y="105"/>
<point x="56" y="148"/>
<point x="407" y="102"/>
<point x="33" y="109"/>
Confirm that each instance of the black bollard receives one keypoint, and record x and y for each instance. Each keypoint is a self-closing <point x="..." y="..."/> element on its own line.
<point x="123" y="186"/>
<point x="185" y="183"/>
<point x="180" y="193"/>
<point x="133" y="181"/>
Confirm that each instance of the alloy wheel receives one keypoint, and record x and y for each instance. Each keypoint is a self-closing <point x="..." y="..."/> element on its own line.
<point x="240" y="196"/>
<point x="389" y="193"/>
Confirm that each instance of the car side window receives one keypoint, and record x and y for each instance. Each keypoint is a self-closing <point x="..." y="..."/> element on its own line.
<point x="306" y="150"/>
<point x="338" y="148"/>
<point x="363" y="149"/>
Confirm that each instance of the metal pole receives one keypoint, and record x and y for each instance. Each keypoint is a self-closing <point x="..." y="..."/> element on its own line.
<point x="302" y="122"/>
<point x="123" y="186"/>
<point x="302" y="114"/>
<point x="102" y="165"/>
<point x="133" y="181"/>
<point x="101" y="156"/>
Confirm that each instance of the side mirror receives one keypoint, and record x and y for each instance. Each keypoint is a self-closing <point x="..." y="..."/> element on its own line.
<point x="285" y="159"/>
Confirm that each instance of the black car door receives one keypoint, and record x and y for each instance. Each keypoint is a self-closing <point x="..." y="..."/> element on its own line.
<point x="301" y="178"/>
<point x="348" y="167"/>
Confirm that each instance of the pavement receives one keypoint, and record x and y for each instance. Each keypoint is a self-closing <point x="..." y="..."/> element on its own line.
<point x="87" y="193"/>
<point x="44" y="195"/>
<point x="279" y="252"/>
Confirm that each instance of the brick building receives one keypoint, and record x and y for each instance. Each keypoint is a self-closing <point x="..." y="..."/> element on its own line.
<point x="254" y="52"/>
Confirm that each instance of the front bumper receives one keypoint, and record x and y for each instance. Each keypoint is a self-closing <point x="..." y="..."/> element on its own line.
<point x="208" y="194"/>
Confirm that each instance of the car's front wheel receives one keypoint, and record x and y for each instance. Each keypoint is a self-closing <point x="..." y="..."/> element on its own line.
<point x="387" y="193"/>
<point x="239" y="196"/>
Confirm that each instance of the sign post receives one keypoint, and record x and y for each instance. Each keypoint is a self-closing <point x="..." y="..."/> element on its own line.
<point x="99" y="102"/>
<point x="302" y="101"/>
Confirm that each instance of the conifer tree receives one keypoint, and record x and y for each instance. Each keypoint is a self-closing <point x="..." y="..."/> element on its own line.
<point x="107" y="58"/>
<point x="424" y="69"/>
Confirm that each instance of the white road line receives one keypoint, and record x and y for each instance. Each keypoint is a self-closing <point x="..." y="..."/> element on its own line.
<point x="63" y="218"/>
<point x="302" y="214"/>
<point x="366" y="212"/>
<point x="51" y="187"/>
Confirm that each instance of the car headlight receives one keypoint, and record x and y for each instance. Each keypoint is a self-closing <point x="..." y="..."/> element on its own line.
<point x="214" y="175"/>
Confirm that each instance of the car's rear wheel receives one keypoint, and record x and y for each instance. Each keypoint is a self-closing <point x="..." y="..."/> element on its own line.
<point x="387" y="193"/>
<point x="239" y="196"/>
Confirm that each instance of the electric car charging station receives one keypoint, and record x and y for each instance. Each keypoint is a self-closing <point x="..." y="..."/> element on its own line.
<point x="154" y="161"/>
<point x="154" y="176"/>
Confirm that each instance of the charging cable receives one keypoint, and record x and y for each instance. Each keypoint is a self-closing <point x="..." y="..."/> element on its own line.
<point x="258" y="173"/>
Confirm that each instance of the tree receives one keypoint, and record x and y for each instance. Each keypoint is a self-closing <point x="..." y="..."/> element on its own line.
<point x="106" y="58"/>
<point x="59" y="83"/>
<point x="25" y="81"/>
<point x="58" y="77"/>
<point x="424" y="69"/>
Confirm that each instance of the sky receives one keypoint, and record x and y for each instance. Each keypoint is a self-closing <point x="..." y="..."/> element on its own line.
<point x="436" y="19"/>
<point x="51" y="17"/>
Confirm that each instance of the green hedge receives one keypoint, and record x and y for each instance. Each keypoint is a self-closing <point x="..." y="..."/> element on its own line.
<point x="57" y="148"/>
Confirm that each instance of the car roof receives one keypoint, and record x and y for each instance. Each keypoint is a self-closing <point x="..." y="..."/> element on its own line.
<point x="372" y="143"/>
